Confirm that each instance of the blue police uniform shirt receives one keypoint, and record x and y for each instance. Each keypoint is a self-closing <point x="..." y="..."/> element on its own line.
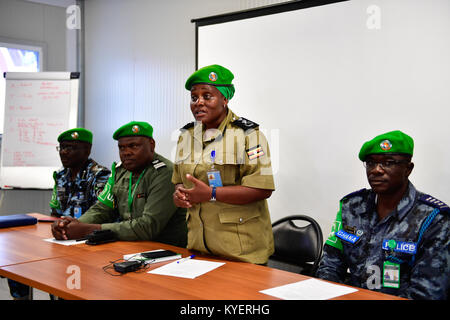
<point x="420" y="230"/>
<point x="81" y="193"/>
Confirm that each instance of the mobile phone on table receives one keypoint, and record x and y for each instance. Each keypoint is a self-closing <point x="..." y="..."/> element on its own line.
<point x="158" y="254"/>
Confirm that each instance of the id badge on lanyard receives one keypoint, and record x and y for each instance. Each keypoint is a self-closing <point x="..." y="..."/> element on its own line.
<point x="214" y="178"/>
<point x="391" y="269"/>
<point x="391" y="275"/>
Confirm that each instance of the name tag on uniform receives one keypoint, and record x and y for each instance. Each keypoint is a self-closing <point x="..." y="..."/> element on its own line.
<point x="348" y="237"/>
<point x="214" y="178"/>
<point x="400" y="246"/>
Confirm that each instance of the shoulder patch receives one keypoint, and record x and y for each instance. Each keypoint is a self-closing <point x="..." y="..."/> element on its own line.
<point x="433" y="202"/>
<point x="189" y="125"/>
<point x="158" y="164"/>
<point x="245" y="123"/>
<point x="355" y="193"/>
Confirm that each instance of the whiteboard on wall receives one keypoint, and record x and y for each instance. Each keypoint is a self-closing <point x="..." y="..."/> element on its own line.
<point x="38" y="107"/>
<point x="322" y="80"/>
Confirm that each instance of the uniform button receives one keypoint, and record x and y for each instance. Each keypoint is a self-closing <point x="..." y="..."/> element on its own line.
<point x="240" y="220"/>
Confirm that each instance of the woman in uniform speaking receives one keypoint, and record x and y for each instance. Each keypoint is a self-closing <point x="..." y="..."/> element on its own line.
<point x="223" y="174"/>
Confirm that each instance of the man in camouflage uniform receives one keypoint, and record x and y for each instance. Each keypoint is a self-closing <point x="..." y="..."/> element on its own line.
<point x="81" y="179"/>
<point x="76" y="187"/>
<point x="392" y="238"/>
<point x="136" y="203"/>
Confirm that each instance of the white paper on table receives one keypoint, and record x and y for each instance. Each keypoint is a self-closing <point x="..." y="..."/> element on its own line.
<point x="190" y="268"/>
<point x="311" y="289"/>
<point x="65" y="242"/>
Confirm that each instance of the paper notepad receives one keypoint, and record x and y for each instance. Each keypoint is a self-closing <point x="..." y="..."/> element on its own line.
<point x="190" y="269"/>
<point x="311" y="289"/>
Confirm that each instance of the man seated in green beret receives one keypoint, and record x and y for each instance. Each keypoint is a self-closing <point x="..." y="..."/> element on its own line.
<point x="392" y="238"/>
<point x="136" y="203"/>
<point x="77" y="185"/>
<point x="81" y="179"/>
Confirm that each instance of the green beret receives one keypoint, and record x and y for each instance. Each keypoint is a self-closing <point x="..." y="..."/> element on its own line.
<point x="214" y="75"/>
<point x="390" y="142"/>
<point x="76" y="134"/>
<point x="134" y="128"/>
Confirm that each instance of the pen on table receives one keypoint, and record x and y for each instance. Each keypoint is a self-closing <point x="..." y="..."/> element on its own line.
<point x="187" y="258"/>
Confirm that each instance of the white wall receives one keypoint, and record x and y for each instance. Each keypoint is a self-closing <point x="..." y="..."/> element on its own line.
<point x="321" y="81"/>
<point x="45" y="25"/>
<point x="138" y="55"/>
<point x="34" y="22"/>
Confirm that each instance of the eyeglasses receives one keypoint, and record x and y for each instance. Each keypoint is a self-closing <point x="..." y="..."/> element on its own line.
<point x="67" y="148"/>
<point x="385" y="164"/>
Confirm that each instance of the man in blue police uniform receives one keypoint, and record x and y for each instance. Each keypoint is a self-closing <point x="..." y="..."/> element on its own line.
<point x="391" y="238"/>
<point x="81" y="179"/>
<point x="76" y="188"/>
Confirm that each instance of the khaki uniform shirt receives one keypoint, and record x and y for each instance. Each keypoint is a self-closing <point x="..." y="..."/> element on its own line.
<point x="239" y="232"/>
<point x="153" y="215"/>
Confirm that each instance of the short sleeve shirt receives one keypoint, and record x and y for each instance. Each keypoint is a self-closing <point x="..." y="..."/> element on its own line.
<point x="242" y="156"/>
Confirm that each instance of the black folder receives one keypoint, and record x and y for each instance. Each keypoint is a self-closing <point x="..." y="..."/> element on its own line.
<point x="16" y="220"/>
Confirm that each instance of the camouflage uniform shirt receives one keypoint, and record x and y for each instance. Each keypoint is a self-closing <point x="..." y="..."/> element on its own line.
<point x="81" y="192"/>
<point x="358" y="243"/>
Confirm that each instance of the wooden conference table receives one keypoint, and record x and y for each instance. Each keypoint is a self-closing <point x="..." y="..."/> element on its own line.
<point x="26" y="258"/>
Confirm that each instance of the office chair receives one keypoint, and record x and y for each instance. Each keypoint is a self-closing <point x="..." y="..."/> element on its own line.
<point x="297" y="249"/>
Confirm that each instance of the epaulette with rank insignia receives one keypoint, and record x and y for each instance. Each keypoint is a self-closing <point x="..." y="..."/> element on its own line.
<point x="158" y="164"/>
<point x="355" y="193"/>
<point x="245" y="123"/>
<point x="189" y="125"/>
<point x="435" y="203"/>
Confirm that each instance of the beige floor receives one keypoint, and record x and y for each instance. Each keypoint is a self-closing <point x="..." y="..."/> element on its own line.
<point x="4" y="292"/>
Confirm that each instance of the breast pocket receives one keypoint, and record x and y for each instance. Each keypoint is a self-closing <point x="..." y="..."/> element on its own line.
<point x="229" y="168"/>
<point x="355" y="252"/>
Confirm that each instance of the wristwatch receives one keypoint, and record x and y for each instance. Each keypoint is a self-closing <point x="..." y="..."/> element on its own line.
<point x="213" y="194"/>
